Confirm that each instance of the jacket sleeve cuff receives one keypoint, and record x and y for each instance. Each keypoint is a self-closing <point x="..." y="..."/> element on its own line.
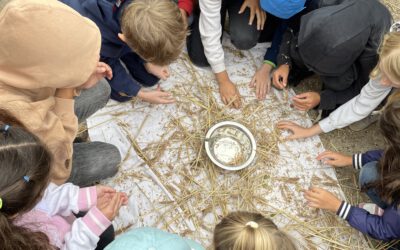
<point x="96" y="221"/>
<point x="357" y="161"/>
<point x="87" y="198"/>
<point x="64" y="106"/>
<point x="326" y="125"/>
<point x="344" y="210"/>
<point x="218" y="67"/>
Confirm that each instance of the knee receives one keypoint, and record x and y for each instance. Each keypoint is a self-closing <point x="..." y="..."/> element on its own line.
<point x="244" y="39"/>
<point x="111" y="159"/>
<point x="368" y="173"/>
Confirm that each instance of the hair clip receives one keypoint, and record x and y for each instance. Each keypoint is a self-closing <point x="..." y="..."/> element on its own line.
<point x="26" y="178"/>
<point x="252" y="224"/>
<point x="1" y="203"/>
<point x="5" y="128"/>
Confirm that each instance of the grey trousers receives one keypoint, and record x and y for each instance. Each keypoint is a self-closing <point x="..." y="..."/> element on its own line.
<point x="93" y="161"/>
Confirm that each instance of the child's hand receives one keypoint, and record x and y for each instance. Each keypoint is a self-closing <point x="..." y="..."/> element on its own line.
<point x="228" y="91"/>
<point x="280" y="76"/>
<point x="157" y="96"/>
<point x="104" y="193"/>
<point x="306" y="101"/>
<point x="335" y="159"/>
<point x="320" y="198"/>
<point x="161" y="72"/>
<point x="111" y="208"/>
<point x="297" y="130"/>
<point x="102" y="70"/>
<point x="255" y="11"/>
<point x="262" y="81"/>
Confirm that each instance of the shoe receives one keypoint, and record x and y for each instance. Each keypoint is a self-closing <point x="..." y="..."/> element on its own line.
<point x="364" y="123"/>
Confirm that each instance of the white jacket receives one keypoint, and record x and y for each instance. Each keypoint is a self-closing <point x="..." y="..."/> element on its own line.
<point x="371" y="95"/>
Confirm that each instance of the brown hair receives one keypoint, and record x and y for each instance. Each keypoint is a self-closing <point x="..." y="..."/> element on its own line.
<point x="154" y="29"/>
<point x="21" y="154"/>
<point x="389" y="57"/>
<point x="388" y="185"/>
<point x="250" y="231"/>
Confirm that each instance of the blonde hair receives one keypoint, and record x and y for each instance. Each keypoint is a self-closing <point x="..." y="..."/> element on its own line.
<point x="389" y="57"/>
<point x="154" y="29"/>
<point x="250" y="231"/>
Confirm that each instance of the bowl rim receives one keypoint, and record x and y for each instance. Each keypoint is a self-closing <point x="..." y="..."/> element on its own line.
<point x="243" y="129"/>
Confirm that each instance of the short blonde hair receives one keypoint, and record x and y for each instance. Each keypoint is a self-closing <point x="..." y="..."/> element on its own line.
<point x="154" y="29"/>
<point x="250" y="231"/>
<point x="389" y="57"/>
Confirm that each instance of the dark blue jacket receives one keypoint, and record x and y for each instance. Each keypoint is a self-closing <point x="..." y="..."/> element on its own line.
<point x="385" y="227"/>
<point x="106" y="14"/>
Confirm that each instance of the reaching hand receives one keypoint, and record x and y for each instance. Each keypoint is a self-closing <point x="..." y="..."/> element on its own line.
<point x="110" y="207"/>
<point x="229" y="94"/>
<point x="280" y="76"/>
<point x="306" y="101"/>
<point x="335" y="159"/>
<point x="161" y="72"/>
<point x="262" y="81"/>
<point x="297" y="130"/>
<point x="320" y="198"/>
<point x="157" y="96"/>
<point x="102" y="70"/>
<point x="255" y="11"/>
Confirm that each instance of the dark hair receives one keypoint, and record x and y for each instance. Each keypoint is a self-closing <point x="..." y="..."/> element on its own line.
<point x="22" y="156"/>
<point x="388" y="185"/>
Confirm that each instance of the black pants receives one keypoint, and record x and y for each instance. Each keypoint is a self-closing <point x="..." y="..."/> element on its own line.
<point x="243" y="35"/>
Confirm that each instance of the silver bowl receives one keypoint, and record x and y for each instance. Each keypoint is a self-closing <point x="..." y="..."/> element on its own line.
<point x="230" y="145"/>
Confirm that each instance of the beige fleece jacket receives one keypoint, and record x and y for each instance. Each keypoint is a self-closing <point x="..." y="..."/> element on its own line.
<point x="45" y="45"/>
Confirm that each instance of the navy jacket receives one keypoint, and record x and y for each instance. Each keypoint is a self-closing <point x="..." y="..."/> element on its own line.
<point x="385" y="227"/>
<point x="106" y="14"/>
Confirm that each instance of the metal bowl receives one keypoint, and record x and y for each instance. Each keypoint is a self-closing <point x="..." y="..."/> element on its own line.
<point x="230" y="145"/>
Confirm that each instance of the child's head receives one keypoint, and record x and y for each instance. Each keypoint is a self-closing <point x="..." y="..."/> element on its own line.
<point x="154" y="29"/>
<point x="25" y="169"/>
<point x="250" y="231"/>
<point x="389" y="60"/>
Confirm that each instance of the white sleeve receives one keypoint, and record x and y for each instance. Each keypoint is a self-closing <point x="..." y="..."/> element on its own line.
<point x="210" y="32"/>
<point x="85" y="231"/>
<point x="67" y="199"/>
<point x="372" y="94"/>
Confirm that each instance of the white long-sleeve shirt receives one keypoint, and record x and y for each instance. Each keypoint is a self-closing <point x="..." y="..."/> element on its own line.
<point x="371" y="95"/>
<point x="210" y="32"/>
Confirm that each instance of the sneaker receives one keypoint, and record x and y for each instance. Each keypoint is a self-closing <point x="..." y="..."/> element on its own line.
<point x="364" y="123"/>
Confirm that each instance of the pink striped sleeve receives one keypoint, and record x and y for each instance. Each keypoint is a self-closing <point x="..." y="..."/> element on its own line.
<point x="87" y="198"/>
<point x="96" y="221"/>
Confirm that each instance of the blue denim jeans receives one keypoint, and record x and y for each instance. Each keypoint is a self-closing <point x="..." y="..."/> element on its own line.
<point x="368" y="174"/>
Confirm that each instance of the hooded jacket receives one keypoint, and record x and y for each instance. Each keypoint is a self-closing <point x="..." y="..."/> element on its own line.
<point x="46" y="45"/>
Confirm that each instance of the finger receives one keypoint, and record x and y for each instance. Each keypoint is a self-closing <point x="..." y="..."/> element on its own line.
<point x="263" y="91"/>
<point x="301" y="96"/>
<point x="314" y="205"/>
<point x="167" y="101"/>
<point x="264" y="18"/>
<point x="258" y="15"/>
<point x="243" y="7"/>
<point x="224" y="100"/>
<point x="277" y="83"/>
<point x="299" y="107"/>
<point x="252" y="83"/>
<point x="326" y="154"/>
<point x="167" y="72"/>
<point x="258" y="90"/>
<point x="158" y="87"/>
<point x="286" y="123"/>
<point x="252" y="16"/>
<point x="299" y="100"/>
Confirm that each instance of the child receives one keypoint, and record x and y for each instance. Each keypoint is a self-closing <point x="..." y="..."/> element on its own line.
<point x="151" y="238"/>
<point x="37" y="215"/>
<point x="383" y="78"/>
<point x="144" y="35"/>
<point x="379" y="177"/>
<point x="250" y="231"/>
<point x="204" y="42"/>
<point x="51" y="63"/>
<point x="318" y="47"/>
